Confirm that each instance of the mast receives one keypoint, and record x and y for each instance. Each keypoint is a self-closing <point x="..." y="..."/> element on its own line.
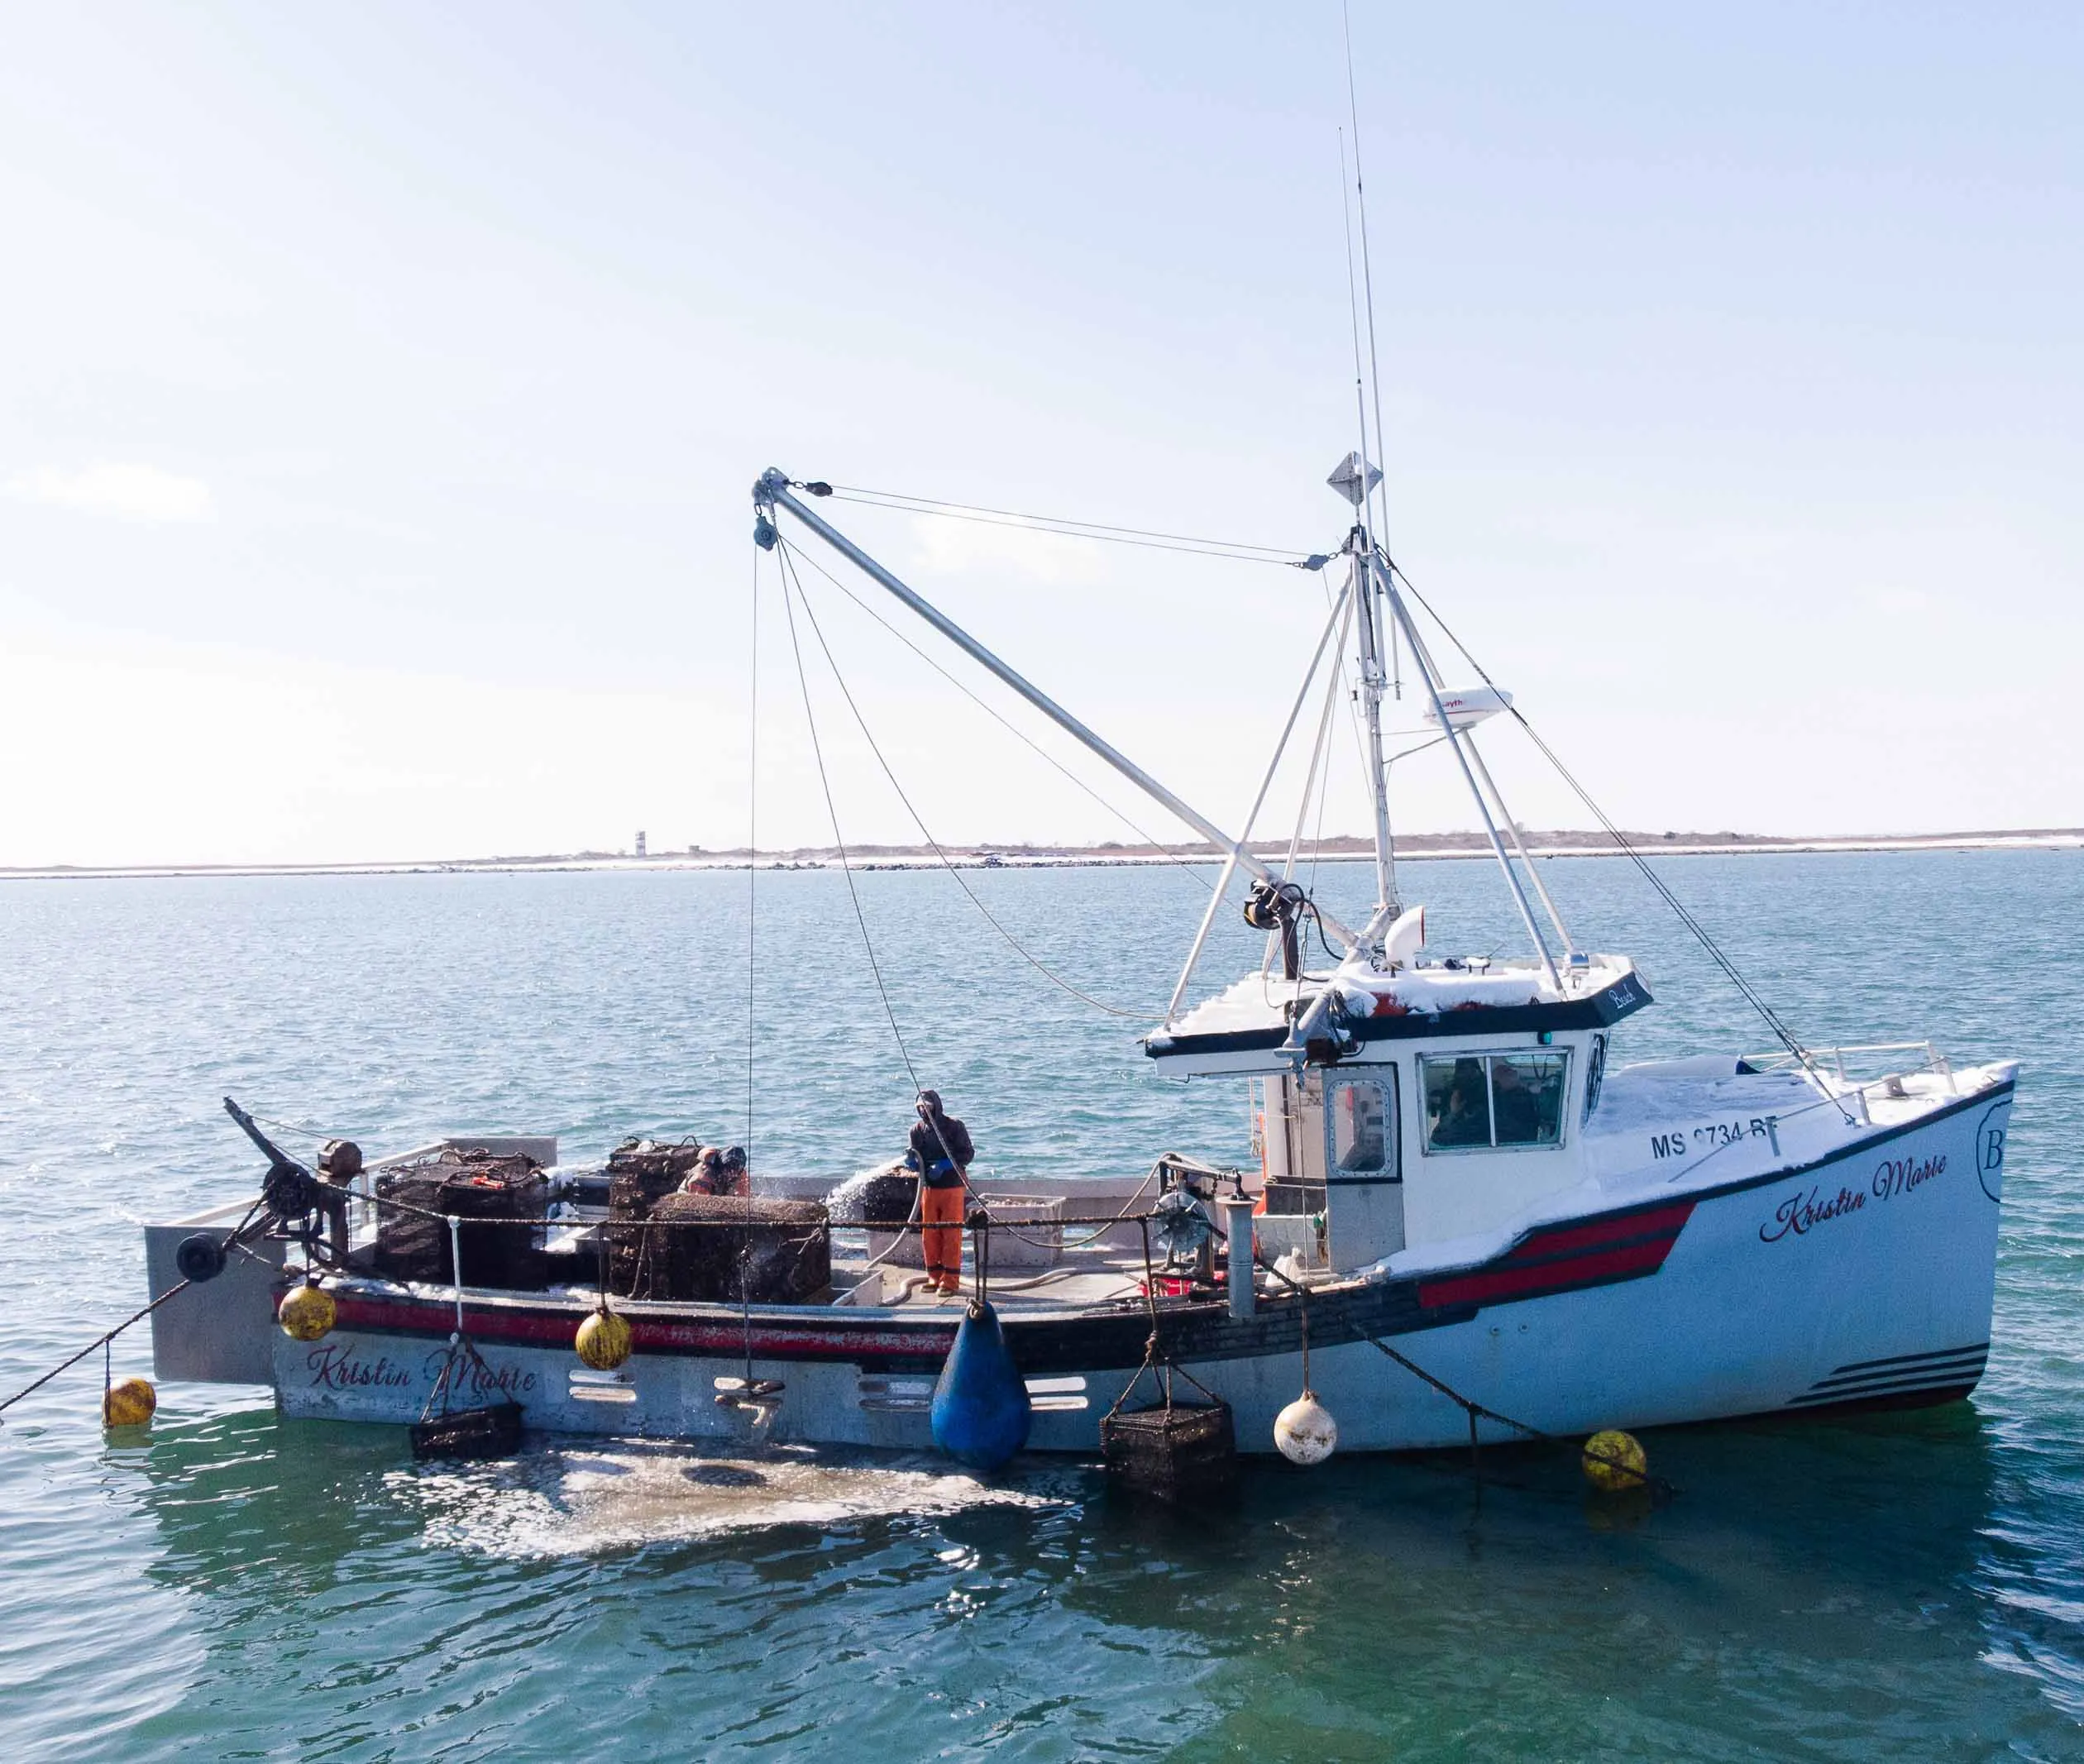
<point x="1354" y="479"/>
<point x="1374" y="677"/>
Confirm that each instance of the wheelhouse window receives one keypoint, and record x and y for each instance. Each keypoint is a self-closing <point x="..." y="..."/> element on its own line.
<point x="1357" y="1111"/>
<point x="1484" y="1102"/>
<point x="1594" y="1075"/>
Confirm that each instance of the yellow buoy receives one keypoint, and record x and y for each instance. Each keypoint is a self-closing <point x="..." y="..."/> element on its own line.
<point x="1613" y="1461"/>
<point x="129" y="1404"/>
<point x="307" y="1313"/>
<point x="604" y="1341"/>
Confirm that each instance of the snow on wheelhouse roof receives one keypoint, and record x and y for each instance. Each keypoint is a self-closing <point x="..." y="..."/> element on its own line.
<point x="1259" y="1001"/>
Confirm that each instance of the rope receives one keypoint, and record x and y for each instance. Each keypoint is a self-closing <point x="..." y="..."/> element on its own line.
<point x="876" y="1225"/>
<point x="839" y="840"/>
<point x="1155" y="1360"/>
<point x="291" y="1126"/>
<point x="448" y="1382"/>
<point x="1189" y="544"/>
<point x="955" y="875"/>
<point x="1171" y="855"/>
<point x="232" y="1242"/>
<point x="884" y="1254"/>
<point x="100" y="1341"/>
<point x="1120" y="1218"/>
<point x="1470" y="1405"/>
<point x="752" y="868"/>
<point x="752" y="1011"/>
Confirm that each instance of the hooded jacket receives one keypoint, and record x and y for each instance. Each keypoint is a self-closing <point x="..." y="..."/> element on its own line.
<point x="929" y="1156"/>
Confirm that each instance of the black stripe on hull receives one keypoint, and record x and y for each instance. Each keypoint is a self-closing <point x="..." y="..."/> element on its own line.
<point x="1969" y="1366"/>
<point x="1875" y="1367"/>
<point x="1884" y="1386"/>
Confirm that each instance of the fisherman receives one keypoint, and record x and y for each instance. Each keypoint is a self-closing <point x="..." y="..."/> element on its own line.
<point x="1514" y="1106"/>
<point x="1464" y="1119"/>
<point x="738" y="1179"/>
<point x="709" y="1175"/>
<point x="941" y="1152"/>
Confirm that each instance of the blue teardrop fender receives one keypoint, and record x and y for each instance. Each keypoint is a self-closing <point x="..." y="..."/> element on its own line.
<point x="980" y="1412"/>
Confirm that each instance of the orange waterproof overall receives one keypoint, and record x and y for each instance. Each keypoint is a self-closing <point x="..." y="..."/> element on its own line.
<point x="940" y="1216"/>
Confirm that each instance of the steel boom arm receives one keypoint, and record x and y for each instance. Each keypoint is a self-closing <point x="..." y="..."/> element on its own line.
<point x="773" y="491"/>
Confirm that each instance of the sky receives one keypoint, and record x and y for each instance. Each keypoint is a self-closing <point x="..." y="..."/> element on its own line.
<point x="383" y="385"/>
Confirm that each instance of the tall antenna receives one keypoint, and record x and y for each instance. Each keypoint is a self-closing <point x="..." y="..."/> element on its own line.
<point x="1366" y="537"/>
<point x="1367" y="271"/>
<point x="1353" y="300"/>
<point x="1359" y="395"/>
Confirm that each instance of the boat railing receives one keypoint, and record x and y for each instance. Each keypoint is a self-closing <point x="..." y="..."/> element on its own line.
<point x="1831" y="1063"/>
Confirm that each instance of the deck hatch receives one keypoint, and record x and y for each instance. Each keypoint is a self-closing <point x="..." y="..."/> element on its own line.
<point x="914" y="1396"/>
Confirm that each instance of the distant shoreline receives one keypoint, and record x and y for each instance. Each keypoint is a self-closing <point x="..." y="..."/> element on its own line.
<point x="1415" y="848"/>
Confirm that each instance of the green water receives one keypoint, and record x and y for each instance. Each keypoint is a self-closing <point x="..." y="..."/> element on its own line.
<point x="226" y="1584"/>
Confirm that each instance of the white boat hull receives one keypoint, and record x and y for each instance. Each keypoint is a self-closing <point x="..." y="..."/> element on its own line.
<point x="1865" y="1278"/>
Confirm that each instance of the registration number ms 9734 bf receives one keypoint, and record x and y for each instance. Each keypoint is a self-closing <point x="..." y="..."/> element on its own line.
<point x="1712" y="1136"/>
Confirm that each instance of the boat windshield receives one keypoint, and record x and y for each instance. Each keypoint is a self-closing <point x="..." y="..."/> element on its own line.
<point x="1482" y="1102"/>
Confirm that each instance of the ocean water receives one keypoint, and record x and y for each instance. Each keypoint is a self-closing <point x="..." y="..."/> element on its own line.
<point x="227" y="1585"/>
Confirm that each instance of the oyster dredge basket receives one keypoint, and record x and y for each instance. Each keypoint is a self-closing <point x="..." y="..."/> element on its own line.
<point x="1175" y="1451"/>
<point x="483" y="1430"/>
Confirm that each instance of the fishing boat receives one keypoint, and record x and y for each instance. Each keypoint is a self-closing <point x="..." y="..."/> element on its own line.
<point x="1468" y="1218"/>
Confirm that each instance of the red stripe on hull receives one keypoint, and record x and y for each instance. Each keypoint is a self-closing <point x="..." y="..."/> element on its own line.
<point x="1664" y="1221"/>
<point x="1541" y="1278"/>
<point x="789" y="1343"/>
<point x="439" y="1318"/>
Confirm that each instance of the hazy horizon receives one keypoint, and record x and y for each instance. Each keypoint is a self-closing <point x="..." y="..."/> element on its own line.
<point x="1333" y="848"/>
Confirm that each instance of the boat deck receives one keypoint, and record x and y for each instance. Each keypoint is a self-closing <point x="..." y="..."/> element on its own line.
<point x="1100" y="1275"/>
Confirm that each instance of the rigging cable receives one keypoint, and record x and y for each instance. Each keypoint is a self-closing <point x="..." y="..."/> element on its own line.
<point x="839" y="840"/>
<point x="1317" y="834"/>
<point x="1172" y="856"/>
<point x="1360" y="754"/>
<point x="1192" y="545"/>
<point x="1772" y="1018"/>
<point x="752" y="862"/>
<point x="926" y="833"/>
<point x="1319" y="766"/>
<point x="1353" y="704"/>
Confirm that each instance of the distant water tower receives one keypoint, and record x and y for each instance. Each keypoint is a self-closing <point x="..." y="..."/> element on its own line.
<point x="640" y="844"/>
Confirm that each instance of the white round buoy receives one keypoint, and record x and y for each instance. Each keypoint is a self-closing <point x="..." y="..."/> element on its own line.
<point x="1305" y="1430"/>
